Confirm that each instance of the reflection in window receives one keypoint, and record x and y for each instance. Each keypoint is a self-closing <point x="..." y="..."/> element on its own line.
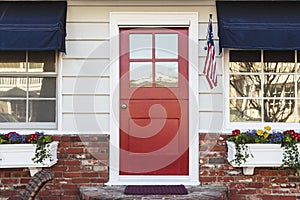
<point x="141" y="74"/>
<point x="166" y="45"/>
<point x="263" y="86"/>
<point x="245" y="110"/>
<point x="140" y="46"/>
<point x="166" y="74"/>
<point x="30" y="94"/>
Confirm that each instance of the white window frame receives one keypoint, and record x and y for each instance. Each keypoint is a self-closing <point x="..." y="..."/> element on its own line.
<point x="8" y="126"/>
<point x="229" y="126"/>
<point x="154" y="19"/>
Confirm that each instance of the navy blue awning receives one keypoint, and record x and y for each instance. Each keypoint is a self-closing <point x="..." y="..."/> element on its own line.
<point x="268" y="25"/>
<point x="33" y="25"/>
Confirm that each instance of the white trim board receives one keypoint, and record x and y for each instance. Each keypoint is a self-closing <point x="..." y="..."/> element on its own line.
<point x="154" y="19"/>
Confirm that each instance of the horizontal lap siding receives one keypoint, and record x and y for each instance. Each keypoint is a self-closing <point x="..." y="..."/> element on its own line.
<point x="85" y="67"/>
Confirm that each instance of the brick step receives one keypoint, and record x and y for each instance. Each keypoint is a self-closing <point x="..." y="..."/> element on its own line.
<point x="117" y="192"/>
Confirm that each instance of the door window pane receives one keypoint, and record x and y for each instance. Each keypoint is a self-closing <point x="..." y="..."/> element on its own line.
<point x="140" y="46"/>
<point x="141" y="74"/>
<point x="166" y="74"/>
<point x="166" y="45"/>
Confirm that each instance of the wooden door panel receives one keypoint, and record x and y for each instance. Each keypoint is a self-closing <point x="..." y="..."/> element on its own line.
<point x="154" y="134"/>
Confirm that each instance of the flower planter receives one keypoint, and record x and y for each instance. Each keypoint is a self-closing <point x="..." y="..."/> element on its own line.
<point x="264" y="155"/>
<point x="20" y="155"/>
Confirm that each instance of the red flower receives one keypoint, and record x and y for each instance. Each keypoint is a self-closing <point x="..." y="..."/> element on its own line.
<point x="236" y="132"/>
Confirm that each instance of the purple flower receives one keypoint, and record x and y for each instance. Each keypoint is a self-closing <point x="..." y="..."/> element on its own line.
<point x="16" y="138"/>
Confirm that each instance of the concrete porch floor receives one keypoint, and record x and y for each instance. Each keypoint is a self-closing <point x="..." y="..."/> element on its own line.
<point x="117" y="192"/>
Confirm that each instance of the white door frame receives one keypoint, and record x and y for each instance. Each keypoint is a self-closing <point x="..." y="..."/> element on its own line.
<point x="154" y="19"/>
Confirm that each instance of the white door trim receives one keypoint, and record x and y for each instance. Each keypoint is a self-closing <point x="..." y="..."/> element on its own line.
<point x="154" y="19"/>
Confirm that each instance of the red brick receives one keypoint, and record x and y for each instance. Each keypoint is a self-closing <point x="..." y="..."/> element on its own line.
<point x="218" y="148"/>
<point x="69" y="197"/>
<point x="263" y="191"/>
<point x="80" y="180"/>
<point x="9" y="181"/>
<point x="269" y="173"/>
<point x="208" y="179"/>
<point x="103" y="174"/>
<point x="237" y="197"/>
<point x="288" y="198"/>
<point x="69" y="186"/>
<point x="226" y="179"/>
<point x="72" y="162"/>
<point x="255" y="185"/>
<point x="74" y="150"/>
<point x="72" y="174"/>
<point x="72" y="192"/>
<point x="90" y="174"/>
<point x="242" y="191"/>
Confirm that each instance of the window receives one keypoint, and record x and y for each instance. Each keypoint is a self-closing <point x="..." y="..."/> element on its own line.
<point x="28" y="89"/>
<point x="263" y="87"/>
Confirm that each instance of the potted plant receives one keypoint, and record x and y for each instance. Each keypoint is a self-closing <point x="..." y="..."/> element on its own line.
<point x="33" y="151"/>
<point x="264" y="148"/>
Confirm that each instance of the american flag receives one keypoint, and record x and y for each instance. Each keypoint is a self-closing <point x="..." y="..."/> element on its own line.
<point x="210" y="61"/>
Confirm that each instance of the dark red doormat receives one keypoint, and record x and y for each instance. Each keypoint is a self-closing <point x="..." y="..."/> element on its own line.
<point x="155" y="190"/>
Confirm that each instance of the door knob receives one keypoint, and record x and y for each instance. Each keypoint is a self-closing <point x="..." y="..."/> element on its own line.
<point x="124" y="106"/>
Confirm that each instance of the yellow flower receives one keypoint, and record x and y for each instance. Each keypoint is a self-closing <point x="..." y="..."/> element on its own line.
<point x="260" y="132"/>
<point x="266" y="135"/>
<point x="268" y="128"/>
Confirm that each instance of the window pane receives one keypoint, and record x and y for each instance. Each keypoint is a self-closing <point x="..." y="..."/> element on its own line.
<point x="13" y="87"/>
<point x="42" y="111"/>
<point x="141" y="74"/>
<point x="278" y="85"/>
<point x="245" y="67"/>
<point x="298" y="108"/>
<point x="279" y="56"/>
<point x="12" y="111"/>
<point x="42" y="87"/>
<point x="279" y="110"/>
<point x="278" y="67"/>
<point x="166" y="74"/>
<point x="245" y="86"/>
<point x="41" y="61"/>
<point x="12" y="61"/>
<point x="245" y="110"/>
<point x="279" y="61"/>
<point x="140" y="45"/>
<point x="244" y="56"/>
<point x="166" y="45"/>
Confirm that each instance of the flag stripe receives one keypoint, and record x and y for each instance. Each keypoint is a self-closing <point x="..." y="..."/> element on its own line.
<point x="210" y="69"/>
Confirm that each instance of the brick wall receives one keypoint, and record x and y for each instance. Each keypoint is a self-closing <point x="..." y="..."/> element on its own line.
<point x="83" y="161"/>
<point x="265" y="184"/>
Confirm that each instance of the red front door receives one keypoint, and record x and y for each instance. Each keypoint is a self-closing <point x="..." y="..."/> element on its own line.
<point x="154" y="102"/>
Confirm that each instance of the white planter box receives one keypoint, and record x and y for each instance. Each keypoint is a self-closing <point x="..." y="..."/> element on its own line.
<point x="20" y="155"/>
<point x="264" y="155"/>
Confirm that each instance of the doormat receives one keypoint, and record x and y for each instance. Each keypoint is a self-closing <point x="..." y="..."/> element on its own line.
<point x="155" y="190"/>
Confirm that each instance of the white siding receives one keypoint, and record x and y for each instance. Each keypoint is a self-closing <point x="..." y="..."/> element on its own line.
<point x="85" y="67"/>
